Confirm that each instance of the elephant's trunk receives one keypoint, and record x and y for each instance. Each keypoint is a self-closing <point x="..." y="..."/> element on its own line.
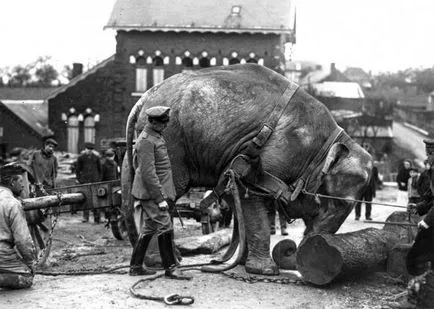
<point x="242" y="233"/>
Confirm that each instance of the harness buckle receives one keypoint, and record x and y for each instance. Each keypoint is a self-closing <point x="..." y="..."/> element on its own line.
<point x="263" y="135"/>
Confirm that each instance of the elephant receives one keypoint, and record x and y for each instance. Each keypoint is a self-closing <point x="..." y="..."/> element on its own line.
<point x="218" y="113"/>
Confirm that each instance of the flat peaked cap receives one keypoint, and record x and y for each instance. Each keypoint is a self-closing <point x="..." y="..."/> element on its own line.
<point x="51" y="141"/>
<point x="12" y="169"/>
<point x="158" y="112"/>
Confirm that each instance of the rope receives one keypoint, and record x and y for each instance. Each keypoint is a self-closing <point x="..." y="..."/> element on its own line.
<point x="318" y="195"/>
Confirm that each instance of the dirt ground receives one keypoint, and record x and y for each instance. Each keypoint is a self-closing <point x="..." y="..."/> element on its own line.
<point x="87" y="246"/>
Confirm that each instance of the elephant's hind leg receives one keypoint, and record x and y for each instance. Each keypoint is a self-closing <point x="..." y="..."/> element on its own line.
<point x="258" y="237"/>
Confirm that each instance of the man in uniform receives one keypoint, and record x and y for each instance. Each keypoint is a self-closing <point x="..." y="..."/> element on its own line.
<point x="88" y="169"/>
<point x="44" y="165"/>
<point x="152" y="188"/>
<point x="17" y="253"/>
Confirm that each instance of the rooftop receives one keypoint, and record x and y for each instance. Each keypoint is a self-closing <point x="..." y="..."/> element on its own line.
<point x="252" y="16"/>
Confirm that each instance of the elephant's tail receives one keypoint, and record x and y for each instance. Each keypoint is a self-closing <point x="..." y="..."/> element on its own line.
<point x="131" y="124"/>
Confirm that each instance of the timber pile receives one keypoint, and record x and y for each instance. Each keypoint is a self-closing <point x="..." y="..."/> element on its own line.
<point x="322" y="258"/>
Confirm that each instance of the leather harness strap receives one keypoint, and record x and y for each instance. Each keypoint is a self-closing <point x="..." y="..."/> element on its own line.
<point x="267" y="128"/>
<point x="270" y="124"/>
<point x="306" y="178"/>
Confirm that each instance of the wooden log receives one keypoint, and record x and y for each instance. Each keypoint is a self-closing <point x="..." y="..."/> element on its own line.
<point x="204" y="244"/>
<point x="324" y="258"/>
<point x="284" y="254"/>
<point x="52" y="200"/>
<point x="405" y="233"/>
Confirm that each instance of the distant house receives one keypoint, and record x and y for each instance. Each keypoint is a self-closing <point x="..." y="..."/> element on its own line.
<point x="297" y="69"/>
<point x="23" y="117"/>
<point x="157" y="39"/>
<point x="322" y="75"/>
<point x="359" y="76"/>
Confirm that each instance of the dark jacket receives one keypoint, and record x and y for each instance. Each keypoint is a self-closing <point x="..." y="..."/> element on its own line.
<point x="44" y="168"/>
<point x="424" y="184"/>
<point x="109" y="170"/>
<point x="153" y="178"/>
<point x="402" y="179"/>
<point x="88" y="167"/>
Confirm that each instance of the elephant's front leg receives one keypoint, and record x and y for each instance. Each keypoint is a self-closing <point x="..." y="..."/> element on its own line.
<point x="258" y="237"/>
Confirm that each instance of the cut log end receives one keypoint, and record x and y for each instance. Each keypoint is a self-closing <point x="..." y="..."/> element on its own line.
<point x="284" y="254"/>
<point x="318" y="261"/>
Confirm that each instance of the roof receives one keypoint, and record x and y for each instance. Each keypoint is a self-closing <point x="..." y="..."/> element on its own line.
<point x="339" y="89"/>
<point x="256" y="16"/>
<point x="358" y="75"/>
<point x="25" y="93"/>
<point x="33" y="113"/>
<point x="81" y="77"/>
<point x="330" y="74"/>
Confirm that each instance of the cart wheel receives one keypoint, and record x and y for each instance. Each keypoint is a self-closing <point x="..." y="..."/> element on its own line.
<point x="119" y="229"/>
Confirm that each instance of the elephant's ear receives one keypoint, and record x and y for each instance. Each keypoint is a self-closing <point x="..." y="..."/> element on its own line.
<point x="336" y="151"/>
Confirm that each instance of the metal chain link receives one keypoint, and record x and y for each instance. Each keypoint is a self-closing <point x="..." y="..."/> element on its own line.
<point x="254" y="279"/>
<point x="44" y="252"/>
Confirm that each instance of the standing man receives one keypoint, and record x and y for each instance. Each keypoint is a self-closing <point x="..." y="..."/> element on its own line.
<point x="17" y="253"/>
<point x="368" y="195"/>
<point x="109" y="167"/>
<point x="153" y="187"/>
<point x="88" y="169"/>
<point x="402" y="180"/>
<point x="109" y="171"/>
<point x="44" y="165"/>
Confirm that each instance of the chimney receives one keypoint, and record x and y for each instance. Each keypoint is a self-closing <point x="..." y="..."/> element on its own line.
<point x="77" y="69"/>
<point x="332" y="67"/>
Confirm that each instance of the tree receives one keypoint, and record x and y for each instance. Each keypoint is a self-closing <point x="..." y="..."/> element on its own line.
<point x="46" y="74"/>
<point x="20" y="76"/>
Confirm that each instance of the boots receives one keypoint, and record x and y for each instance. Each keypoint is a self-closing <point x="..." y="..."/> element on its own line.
<point x="165" y="243"/>
<point x="136" y="264"/>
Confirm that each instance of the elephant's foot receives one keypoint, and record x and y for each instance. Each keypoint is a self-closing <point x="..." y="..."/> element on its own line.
<point x="265" y="267"/>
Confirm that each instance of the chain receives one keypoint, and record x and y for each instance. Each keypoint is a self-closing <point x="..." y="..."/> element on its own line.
<point x="254" y="279"/>
<point x="171" y="299"/>
<point x="43" y="255"/>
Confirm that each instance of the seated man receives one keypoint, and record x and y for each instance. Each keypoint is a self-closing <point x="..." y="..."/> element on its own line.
<point x="17" y="253"/>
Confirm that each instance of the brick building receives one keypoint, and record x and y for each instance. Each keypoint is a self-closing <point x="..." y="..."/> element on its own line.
<point x="157" y="39"/>
<point x="23" y="117"/>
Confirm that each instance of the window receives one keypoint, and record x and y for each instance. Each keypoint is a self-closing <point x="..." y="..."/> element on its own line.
<point x="141" y="79"/>
<point x="158" y="75"/>
<point x="158" y="70"/>
<point x="89" y="129"/>
<point x="72" y="133"/>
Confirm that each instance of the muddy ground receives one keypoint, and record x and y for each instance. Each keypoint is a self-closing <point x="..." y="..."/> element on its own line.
<point x="87" y="246"/>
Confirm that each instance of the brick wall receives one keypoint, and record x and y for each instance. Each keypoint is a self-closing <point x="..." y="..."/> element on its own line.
<point x="95" y="92"/>
<point x="111" y="92"/>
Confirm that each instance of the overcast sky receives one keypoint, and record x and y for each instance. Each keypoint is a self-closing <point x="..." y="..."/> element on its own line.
<point x="377" y="35"/>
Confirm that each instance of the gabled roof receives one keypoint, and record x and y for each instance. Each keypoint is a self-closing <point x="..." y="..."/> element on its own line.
<point x="34" y="114"/>
<point x="25" y="93"/>
<point x="257" y="16"/>
<point x="323" y="75"/>
<point x="81" y="77"/>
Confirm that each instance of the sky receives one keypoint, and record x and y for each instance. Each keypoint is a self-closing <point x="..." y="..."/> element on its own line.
<point x="377" y="35"/>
